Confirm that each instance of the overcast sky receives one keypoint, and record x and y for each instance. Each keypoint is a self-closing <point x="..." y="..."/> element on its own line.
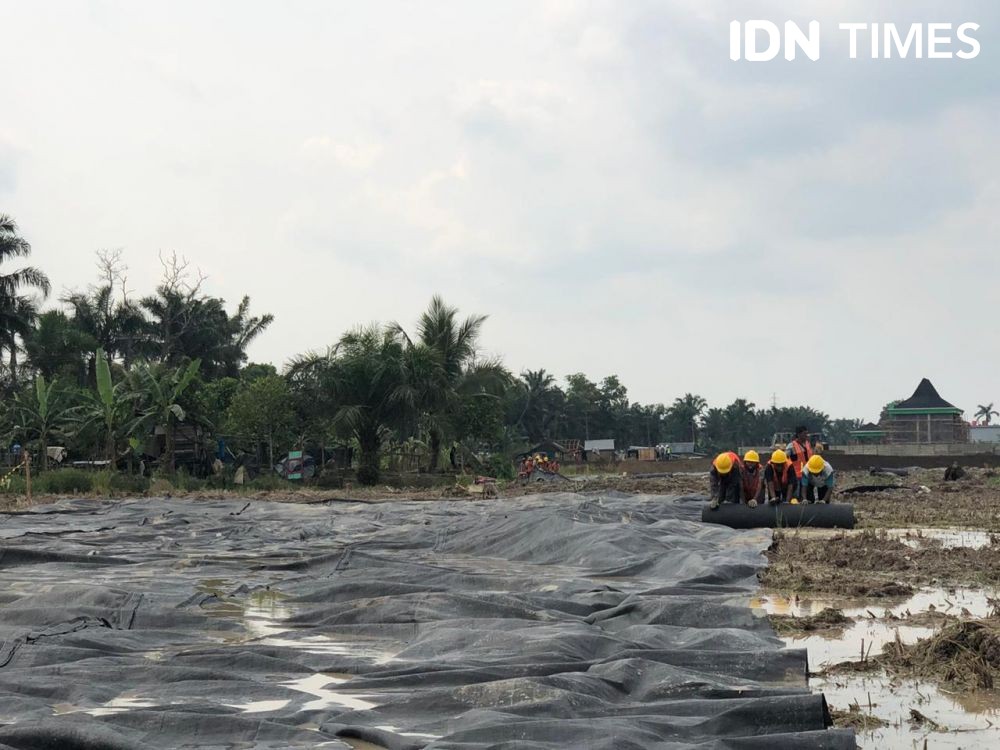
<point x="598" y="177"/>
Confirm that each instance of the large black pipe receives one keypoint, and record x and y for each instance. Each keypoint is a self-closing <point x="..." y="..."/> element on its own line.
<point x="785" y="515"/>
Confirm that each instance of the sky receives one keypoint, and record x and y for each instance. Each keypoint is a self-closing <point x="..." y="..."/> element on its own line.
<point x="597" y="177"/>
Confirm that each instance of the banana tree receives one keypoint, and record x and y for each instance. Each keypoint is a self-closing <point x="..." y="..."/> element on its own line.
<point x="41" y="414"/>
<point x="108" y="408"/>
<point x="160" y="392"/>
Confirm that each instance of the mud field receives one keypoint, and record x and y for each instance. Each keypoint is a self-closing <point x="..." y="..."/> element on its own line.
<point x="901" y="616"/>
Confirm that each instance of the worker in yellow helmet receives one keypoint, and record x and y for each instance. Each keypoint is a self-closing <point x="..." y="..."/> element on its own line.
<point x="817" y="480"/>
<point x="725" y="479"/>
<point x="752" y="478"/>
<point x="780" y="483"/>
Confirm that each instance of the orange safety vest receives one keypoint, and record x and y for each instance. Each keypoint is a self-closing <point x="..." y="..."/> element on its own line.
<point x="802" y="454"/>
<point x="781" y="480"/>
<point x="751" y="484"/>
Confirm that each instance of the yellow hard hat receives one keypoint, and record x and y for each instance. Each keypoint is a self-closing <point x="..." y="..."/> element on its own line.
<point x="815" y="464"/>
<point x="723" y="463"/>
<point x="794" y="501"/>
<point x="752" y="456"/>
<point x="779" y="457"/>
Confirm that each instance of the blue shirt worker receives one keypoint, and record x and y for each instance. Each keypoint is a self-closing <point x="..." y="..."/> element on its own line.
<point x="817" y="480"/>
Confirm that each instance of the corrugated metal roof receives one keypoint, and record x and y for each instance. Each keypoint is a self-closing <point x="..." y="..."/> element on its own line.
<point x="599" y="445"/>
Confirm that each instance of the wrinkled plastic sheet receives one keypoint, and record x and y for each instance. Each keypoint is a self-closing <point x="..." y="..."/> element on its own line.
<point x="556" y="621"/>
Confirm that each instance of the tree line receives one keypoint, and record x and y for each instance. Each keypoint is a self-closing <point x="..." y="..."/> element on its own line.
<point x="104" y="369"/>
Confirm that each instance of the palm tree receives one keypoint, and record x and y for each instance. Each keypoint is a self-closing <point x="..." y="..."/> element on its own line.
<point x="459" y="375"/>
<point x="17" y="312"/>
<point x="18" y="316"/>
<point x="364" y="386"/>
<point x="541" y="398"/>
<point x="116" y="326"/>
<point x="687" y="409"/>
<point x="161" y="390"/>
<point x="986" y="413"/>
<point x="58" y="347"/>
<point x="41" y="415"/>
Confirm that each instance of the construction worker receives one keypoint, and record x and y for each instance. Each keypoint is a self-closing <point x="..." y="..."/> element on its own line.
<point x="726" y="479"/>
<point x="817" y="480"/>
<point x="780" y="484"/>
<point x="799" y="450"/>
<point x="752" y="478"/>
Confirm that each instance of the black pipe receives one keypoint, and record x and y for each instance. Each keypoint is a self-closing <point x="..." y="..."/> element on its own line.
<point x="818" y="515"/>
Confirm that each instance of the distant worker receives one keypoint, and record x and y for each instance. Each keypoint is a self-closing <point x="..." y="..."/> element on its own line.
<point x="725" y="479"/>
<point x="817" y="481"/>
<point x="780" y="484"/>
<point x="752" y="478"/>
<point x="799" y="450"/>
<point x="954" y="472"/>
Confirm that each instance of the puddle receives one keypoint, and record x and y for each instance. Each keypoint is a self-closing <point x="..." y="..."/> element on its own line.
<point x="873" y="626"/>
<point x="317" y="685"/>
<point x="949" y="538"/>
<point x="965" y="720"/>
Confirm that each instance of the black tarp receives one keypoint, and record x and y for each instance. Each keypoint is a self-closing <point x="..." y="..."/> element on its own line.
<point x="556" y="621"/>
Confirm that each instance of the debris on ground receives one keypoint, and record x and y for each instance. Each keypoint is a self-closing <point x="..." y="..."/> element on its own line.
<point x="873" y="564"/>
<point x="965" y="655"/>
<point x="828" y="619"/>
<point x="856" y="718"/>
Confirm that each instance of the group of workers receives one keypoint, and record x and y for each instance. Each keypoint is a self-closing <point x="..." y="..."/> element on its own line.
<point x="797" y="472"/>
<point x="539" y="462"/>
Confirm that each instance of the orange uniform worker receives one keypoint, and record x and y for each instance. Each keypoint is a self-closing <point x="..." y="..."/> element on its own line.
<point x="752" y="479"/>
<point x="780" y="484"/>
<point x="799" y="450"/>
<point x="726" y="479"/>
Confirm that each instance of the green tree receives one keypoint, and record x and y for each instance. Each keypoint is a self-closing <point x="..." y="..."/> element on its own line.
<point x="108" y="408"/>
<point x="42" y="414"/>
<point x="17" y="312"/>
<point x="459" y="375"/>
<point x="262" y="410"/>
<point x="986" y="413"/>
<point x="685" y="412"/>
<point x="185" y="324"/>
<point x="540" y="404"/>
<point x="160" y="391"/>
<point x="57" y="347"/>
<point x="364" y="388"/>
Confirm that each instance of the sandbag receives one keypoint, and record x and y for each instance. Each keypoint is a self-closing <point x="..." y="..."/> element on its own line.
<point x="764" y="516"/>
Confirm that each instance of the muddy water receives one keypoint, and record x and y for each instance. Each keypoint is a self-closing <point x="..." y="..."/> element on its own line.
<point x="963" y="721"/>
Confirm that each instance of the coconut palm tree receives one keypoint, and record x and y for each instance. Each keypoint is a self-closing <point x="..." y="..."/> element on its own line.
<point x="117" y="326"/>
<point x="459" y="374"/>
<point x="365" y="387"/>
<point x="17" y="311"/>
<point x="541" y="399"/>
<point x="985" y="412"/>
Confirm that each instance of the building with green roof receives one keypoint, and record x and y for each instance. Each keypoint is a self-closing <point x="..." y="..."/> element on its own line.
<point x="924" y="417"/>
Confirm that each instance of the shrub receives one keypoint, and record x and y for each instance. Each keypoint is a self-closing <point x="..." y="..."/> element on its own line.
<point x="63" y="482"/>
<point x="269" y="482"/>
<point x="130" y="484"/>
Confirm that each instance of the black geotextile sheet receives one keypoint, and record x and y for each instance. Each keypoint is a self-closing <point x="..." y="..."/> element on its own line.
<point x="555" y="621"/>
